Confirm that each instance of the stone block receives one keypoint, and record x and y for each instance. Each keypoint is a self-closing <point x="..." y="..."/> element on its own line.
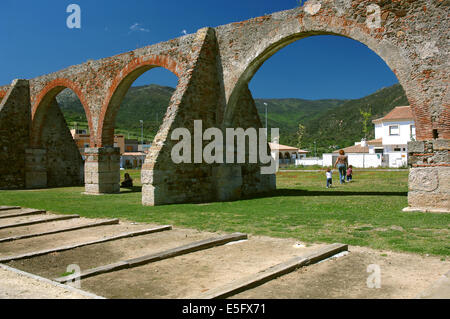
<point x="444" y="179"/>
<point x="97" y="189"/>
<point x="423" y="179"/>
<point x="416" y="147"/>
<point x="441" y="145"/>
<point x="97" y="167"/>
<point x="429" y="201"/>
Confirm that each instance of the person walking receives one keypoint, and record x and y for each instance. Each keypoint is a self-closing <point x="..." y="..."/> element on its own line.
<point x="329" y="175"/>
<point x="350" y="173"/>
<point x="341" y="164"/>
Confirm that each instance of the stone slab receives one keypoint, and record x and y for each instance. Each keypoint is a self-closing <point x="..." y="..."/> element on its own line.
<point x="273" y="272"/>
<point x="21" y="214"/>
<point x="62" y="230"/>
<point x="69" y="247"/>
<point x="3" y="208"/>
<point x="39" y="221"/>
<point x="135" y="262"/>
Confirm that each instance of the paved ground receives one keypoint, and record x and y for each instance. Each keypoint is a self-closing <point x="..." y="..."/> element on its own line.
<point x="402" y="275"/>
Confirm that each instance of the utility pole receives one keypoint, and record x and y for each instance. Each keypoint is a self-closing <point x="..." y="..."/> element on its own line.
<point x="315" y="149"/>
<point x="142" y="132"/>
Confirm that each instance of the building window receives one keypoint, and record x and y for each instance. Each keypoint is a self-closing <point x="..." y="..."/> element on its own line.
<point x="397" y="149"/>
<point x="394" y="130"/>
<point x="412" y="129"/>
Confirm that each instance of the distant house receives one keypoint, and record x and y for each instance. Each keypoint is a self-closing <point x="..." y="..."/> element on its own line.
<point x="286" y="154"/>
<point x="132" y="160"/>
<point x="130" y="154"/>
<point x="390" y="146"/>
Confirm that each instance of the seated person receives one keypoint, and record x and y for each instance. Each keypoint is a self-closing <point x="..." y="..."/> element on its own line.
<point x="128" y="181"/>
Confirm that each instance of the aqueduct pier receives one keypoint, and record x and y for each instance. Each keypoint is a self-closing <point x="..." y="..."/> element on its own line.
<point x="214" y="67"/>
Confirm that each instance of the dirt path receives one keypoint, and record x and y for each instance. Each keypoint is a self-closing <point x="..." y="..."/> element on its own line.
<point x="190" y="275"/>
<point x="402" y="276"/>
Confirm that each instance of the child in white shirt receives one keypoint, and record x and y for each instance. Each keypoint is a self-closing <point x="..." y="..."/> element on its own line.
<point x="329" y="178"/>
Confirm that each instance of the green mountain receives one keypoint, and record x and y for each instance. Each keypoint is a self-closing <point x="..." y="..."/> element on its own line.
<point x="343" y="126"/>
<point x="330" y="123"/>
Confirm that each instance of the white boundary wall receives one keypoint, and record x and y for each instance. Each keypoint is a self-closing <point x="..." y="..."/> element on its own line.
<point x="309" y="161"/>
<point x="396" y="160"/>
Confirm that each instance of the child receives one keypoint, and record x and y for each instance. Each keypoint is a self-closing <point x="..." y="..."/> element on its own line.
<point x="329" y="178"/>
<point x="350" y="173"/>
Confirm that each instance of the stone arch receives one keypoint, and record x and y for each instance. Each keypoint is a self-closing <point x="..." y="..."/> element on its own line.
<point x="43" y="101"/>
<point x="292" y="29"/>
<point x="120" y="86"/>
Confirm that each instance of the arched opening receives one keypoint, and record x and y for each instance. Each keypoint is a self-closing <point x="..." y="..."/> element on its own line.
<point x="332" y="122"/>
<point x="121" y="86"/>
<point x="59" y="133"/>
<point x="132" y="115"/>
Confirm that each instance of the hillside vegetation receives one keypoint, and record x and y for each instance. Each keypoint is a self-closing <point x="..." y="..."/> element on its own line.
<point x="331" y="123"/>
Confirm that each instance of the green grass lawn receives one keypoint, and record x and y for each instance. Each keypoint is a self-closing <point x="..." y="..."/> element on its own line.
<point x="367" y="212"/>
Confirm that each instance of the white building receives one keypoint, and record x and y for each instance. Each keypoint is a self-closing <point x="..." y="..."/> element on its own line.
<point x="132" y="160"/>
<point x="287" y="154"/>
<point x="388" y="149"/>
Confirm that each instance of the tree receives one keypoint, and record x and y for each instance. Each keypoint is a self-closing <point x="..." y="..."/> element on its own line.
<point x="366" y="118"/>
<point x="300" y="135"/>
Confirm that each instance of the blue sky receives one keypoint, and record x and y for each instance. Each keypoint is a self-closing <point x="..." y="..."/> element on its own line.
<point x="36" y="41"/>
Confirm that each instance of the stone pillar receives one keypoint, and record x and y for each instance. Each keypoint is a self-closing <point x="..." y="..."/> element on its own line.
<point x="35" y="168"/>
<point x="102" y="170"/>
<point x="15" y="120"/>
<point x="429" y="177"/>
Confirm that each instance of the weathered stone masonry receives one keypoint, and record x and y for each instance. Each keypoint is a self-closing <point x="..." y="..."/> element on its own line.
<point x="429" y="179"/>
<point x="15" y="119"/>
<point x="214" y="67"/>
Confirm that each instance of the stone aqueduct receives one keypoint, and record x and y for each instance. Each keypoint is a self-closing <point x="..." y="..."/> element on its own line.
<point x="214" y="67"/>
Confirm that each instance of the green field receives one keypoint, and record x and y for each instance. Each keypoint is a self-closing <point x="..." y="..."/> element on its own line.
<point x="367" y="212"/>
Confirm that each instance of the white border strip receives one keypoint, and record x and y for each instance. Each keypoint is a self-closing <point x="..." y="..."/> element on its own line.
<point x="51" y="282"/>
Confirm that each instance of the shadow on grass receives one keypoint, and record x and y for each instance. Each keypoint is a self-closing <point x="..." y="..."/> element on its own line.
<point x="134" y="189"/>
<point x="330" y="192"/>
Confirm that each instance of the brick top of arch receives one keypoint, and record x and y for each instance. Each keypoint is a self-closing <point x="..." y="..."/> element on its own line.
<point x="106" y="114"/>
<point x="58" y="83"/>
<point x="3" y="91"/>
<point x="412" y="39"/>
<point x="55" y="86"/>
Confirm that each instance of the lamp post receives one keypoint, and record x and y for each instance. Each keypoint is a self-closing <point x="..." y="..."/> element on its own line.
<point x="142" y="132"/>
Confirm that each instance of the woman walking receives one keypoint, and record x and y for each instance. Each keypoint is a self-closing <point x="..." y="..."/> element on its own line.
<point x="341" y="164"/>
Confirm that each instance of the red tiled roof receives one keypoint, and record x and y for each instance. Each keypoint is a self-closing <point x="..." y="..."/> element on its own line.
<point x="378" y="141"/>
<point x="355" y="149"/>
<point x="399" y="113"/>
<point x="280" y="147"/>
